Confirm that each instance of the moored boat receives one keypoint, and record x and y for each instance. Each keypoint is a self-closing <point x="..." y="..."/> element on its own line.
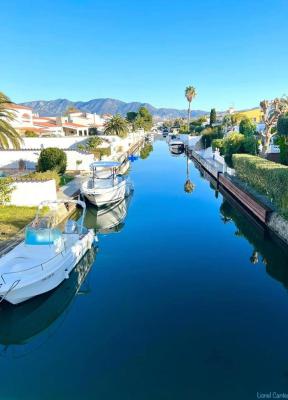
<point x="46" y="256"/>
<point x="106" y="186"/>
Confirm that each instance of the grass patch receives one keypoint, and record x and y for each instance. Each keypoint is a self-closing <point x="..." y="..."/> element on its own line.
<point x="13" y="219"/>
<point x="66" y="178"/>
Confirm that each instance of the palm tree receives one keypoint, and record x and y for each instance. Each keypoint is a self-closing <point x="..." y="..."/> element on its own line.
<point x="116" y="126"/>
<point x="190" y="93"/>
<point x="8" y="135"/>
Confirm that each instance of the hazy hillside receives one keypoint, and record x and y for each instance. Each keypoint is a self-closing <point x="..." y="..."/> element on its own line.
<point x="104" y="106"/>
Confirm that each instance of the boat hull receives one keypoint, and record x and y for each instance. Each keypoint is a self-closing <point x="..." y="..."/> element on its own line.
<point x="49" y="277"/>
<point x="101" y="197"/>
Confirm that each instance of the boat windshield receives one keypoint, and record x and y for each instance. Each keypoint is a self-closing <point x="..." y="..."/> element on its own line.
<point x="41" y="232"/>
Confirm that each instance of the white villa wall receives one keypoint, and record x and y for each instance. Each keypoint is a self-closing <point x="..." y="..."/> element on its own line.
<point x="9" y="159"/>
<point x="33" y="193"/>
<point x="60" y="142"/>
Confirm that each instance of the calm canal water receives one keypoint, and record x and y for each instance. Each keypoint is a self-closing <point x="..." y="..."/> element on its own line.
<point x="186" y="299"/>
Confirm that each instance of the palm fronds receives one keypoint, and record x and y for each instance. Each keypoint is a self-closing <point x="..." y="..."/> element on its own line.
<point x="8" y="135"/>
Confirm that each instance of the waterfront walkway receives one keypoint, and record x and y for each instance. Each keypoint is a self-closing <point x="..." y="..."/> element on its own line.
<point x="71" y="189"/>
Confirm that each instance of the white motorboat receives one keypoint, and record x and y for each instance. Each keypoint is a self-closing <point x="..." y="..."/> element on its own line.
<point x="46" y="256"/>
<point x="23" y="324"/>
<point x="106" y="186"/>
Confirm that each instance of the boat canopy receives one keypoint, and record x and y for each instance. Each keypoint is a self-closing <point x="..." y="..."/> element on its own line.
<point x="104" y="164"/>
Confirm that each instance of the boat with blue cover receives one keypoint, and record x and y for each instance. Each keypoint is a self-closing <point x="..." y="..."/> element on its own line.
<point x="45" y="257"/>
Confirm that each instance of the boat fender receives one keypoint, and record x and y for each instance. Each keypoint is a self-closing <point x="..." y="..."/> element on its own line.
<point x="66" y="274"/>
<point x="95" y="242"/>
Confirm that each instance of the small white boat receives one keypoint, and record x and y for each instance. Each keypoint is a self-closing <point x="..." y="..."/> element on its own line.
<point x="45" y="258"/>
<point x="23" y="325"/>
<point x="106" y="186"/>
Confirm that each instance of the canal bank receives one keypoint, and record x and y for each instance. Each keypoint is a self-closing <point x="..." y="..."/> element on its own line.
<point x="182" y="300"/>
<point x="257" y="205"/>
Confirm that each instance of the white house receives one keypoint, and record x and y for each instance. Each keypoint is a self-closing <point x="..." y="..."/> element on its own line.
<point x="23" y="117"/>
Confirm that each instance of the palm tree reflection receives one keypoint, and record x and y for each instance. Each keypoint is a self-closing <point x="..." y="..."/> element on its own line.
<point x="189" y="185"/>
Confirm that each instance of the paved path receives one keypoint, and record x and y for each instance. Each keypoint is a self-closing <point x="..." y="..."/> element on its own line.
<point x="72" y="188"/>
<point x="215" y="164"/>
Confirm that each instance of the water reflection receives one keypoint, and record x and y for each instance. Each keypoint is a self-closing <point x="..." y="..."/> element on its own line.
<point x="189" y="185"/>
<point x="109" y="219"/>
<point x="266" y="249"/>
<point x="20" y="324"/>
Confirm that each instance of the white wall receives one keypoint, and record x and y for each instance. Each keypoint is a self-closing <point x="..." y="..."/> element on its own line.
<point x="9" y="159"/>
<point x="60" y="142"/>
<point x="33" y="193"/>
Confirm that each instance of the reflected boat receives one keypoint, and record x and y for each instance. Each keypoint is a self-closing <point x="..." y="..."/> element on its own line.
<point x="21" y="324"/>
<point x="176" y="150"/>
<point x="110" y="219"/>
<point x="176" y="146"/>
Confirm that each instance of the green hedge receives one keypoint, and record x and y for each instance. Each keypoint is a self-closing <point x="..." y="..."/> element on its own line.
<point x="265" y="176"/>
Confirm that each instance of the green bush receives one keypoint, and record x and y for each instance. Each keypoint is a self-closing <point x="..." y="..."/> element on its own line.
<point x="235" y="143"/>
<point x="6" y="189"/>
<point x="218" y="144"/>
<point x="101" y="151"/>
<point x="282" y="125"/>
<point x="247" y="127"/>
<point x="267" y="177"/>
<point x="209" y="134"/>
<point x="52" y="158"/>
<point x="283" y="145"/>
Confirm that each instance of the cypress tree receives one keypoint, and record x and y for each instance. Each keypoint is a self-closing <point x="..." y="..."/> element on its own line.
<point x="213" y="116"/>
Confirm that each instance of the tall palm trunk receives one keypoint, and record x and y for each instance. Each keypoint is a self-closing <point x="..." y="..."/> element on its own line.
<point x="189" y="111"/>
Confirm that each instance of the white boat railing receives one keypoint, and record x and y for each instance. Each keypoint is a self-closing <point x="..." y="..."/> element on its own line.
<point x="42" y="266"/>
<point x="14" y="284"/>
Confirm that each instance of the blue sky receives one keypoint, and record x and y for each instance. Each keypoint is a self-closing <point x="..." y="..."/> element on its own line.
<point x="233" y="52"/>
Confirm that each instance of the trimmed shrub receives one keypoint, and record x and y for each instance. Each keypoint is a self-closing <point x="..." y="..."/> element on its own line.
<point x="267" y="177"/>
<point x="52" y="158"/>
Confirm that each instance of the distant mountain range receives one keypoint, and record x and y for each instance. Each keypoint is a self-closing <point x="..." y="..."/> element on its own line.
<point x="104" y="106"/>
